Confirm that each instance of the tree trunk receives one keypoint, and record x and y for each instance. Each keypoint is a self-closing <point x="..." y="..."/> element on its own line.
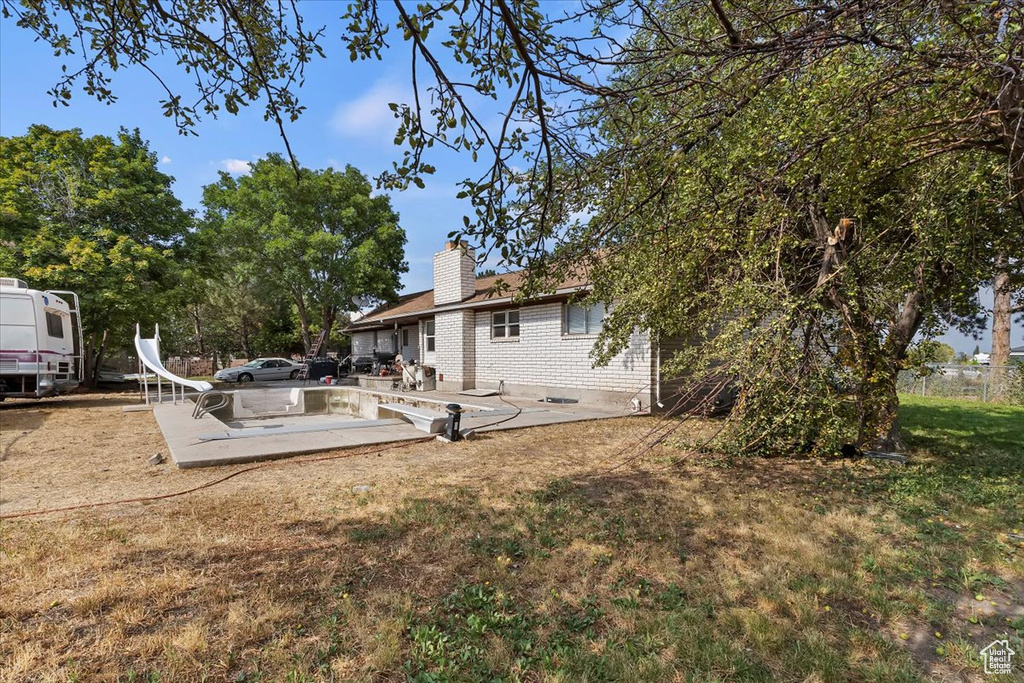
<point x="246" y="345"/>
<point x="327" y="324"/>
<point x="300" y="304"/>
<point x="879" y="427"/>
<point x="87" y="360"/>
<point x="1002" y="312"/>
<point x="1010" y="104"/>
<point x="93" y="357"/>
<point x="878" y="403"/>
<point x="197" y="328"/>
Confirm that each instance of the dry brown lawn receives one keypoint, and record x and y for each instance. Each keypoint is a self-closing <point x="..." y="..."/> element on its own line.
<point x="539" y="554"/>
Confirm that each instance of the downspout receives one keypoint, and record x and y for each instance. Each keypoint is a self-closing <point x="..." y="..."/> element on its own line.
<point x="657" y="373"/>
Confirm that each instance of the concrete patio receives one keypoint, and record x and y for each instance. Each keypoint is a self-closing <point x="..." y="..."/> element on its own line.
<point x="208" y="441"/>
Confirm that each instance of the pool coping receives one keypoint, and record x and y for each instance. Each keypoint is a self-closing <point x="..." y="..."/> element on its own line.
<point x="187" y="449"/>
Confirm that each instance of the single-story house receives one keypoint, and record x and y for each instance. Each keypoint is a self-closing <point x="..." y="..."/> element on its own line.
<point x="475" y="338"/>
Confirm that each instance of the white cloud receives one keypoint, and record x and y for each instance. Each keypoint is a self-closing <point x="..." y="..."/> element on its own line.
<point x="235" y="165"/>
<point x="369" y="114"/>
<point x="165" y="160"/>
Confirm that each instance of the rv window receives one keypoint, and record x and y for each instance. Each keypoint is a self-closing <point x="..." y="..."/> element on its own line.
<point x="16" y="310"/>
<point x="54" y="325"/>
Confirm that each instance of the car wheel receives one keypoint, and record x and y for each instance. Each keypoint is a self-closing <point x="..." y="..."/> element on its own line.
<point x="295" y="373"/>
<point x="244" y="377"/>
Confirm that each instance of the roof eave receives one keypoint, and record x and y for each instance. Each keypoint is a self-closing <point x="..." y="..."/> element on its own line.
<point x="386" y="321"/>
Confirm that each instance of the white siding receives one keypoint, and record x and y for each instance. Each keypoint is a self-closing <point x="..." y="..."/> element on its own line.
<point x="364" y="343"/>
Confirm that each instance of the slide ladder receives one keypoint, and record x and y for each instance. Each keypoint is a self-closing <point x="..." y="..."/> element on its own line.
<point x="149" y="359"/>
<point x="313" y="351"/>
<point x="205" y="403"/>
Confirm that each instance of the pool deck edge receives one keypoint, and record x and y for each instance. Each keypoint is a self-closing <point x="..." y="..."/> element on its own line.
<point x="182" y="433"/>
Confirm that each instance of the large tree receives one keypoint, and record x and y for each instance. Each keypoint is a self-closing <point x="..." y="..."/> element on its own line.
<point x="93" y="215"/>
<point x="822" y="182"/>
<point x="317" y="235"/>
<point x="626" y="111"/>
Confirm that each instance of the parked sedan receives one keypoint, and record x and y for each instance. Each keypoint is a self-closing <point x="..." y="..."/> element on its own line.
<point x="260" y="370"/>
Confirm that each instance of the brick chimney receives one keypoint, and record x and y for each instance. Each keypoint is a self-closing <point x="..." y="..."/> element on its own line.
<point x="454" y="274"/>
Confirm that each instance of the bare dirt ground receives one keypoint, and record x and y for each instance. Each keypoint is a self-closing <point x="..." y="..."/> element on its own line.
<point x="553" y="553"/>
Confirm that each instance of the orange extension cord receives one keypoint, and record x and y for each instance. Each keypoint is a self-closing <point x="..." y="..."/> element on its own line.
<point x="253" y="468"/>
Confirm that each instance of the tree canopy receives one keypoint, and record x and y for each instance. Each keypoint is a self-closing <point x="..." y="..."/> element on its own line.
<point x="801" y="189"/>
<point x="93" y="215"/>
<point x="319" y="236"/>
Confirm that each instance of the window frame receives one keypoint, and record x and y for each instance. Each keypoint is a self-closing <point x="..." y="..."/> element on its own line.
<point x="429" y="336"/>
<point x="589" y="329"/>
<point x="52" y="316"/>
<point x="506" y="324"/>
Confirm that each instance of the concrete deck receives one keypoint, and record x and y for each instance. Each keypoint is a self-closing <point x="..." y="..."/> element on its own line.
<point x="315" y="433"/>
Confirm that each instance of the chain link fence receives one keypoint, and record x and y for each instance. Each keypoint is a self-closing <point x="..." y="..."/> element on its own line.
<point x="980" y="382"/>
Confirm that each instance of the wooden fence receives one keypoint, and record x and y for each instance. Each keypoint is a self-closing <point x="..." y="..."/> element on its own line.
<point x="183" y="367"/>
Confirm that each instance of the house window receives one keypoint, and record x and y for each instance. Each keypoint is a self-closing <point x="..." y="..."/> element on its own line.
<point x="584" y="320"/>
<point x="428" y="335"/>
<point x="504" y="324"/>
<point x="54" y="325"/>
<point x="405" y="337"/>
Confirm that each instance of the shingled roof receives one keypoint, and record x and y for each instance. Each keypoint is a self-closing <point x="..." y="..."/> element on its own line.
<point x="412" y="306"/>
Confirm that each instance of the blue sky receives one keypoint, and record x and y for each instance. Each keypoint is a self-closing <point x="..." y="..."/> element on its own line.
<point x="347" y="121"/>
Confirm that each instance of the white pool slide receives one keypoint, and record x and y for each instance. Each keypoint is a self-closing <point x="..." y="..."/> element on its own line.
<point x="149" y="355"/>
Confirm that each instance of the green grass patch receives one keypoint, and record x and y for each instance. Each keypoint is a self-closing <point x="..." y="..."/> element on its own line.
<point x="964" y="488"/>
<point x="620" y="579"/>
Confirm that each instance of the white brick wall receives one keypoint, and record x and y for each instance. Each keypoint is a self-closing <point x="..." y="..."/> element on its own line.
<point x="456" y="349"/>
<point x="543" y="356"/>
<point x="454" y="275"/>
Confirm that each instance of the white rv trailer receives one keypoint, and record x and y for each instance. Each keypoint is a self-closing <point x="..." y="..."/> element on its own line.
<point x="40" y="341"/>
